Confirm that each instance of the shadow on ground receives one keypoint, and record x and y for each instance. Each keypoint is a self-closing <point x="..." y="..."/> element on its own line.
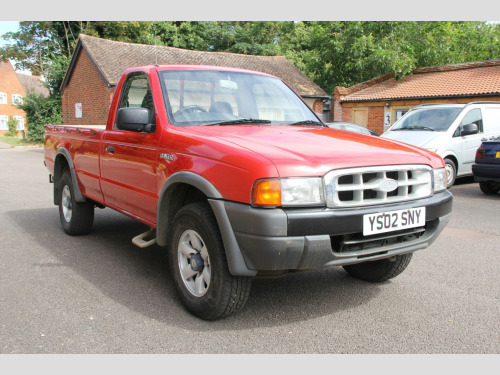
<point x="140" y="280"/>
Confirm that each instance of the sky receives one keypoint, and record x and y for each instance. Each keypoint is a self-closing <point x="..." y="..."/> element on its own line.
<point x="5" y="27"/>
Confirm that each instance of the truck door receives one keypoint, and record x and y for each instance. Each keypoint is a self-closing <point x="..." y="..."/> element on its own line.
<point x="129" y="158"/>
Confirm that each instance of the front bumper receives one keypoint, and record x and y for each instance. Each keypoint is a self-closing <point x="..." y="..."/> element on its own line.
<point x="297" y="239"/>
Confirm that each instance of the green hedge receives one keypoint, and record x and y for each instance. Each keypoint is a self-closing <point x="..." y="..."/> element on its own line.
<point x="39" y="112"/>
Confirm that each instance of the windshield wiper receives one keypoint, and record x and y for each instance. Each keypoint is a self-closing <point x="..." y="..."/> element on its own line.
<point x="416" y="128"/>
<point x="307" y="122"/>
<point x="241" y="121"/>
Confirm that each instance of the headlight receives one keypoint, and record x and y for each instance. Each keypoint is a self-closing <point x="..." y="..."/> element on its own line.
<point x="440" y="180"/>
<point x="289" y="192"/>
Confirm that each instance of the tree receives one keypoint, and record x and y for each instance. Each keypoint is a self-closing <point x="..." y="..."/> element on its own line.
<point x="331" y="53"/>
<point x="347" y="53"/>
<point x="32" y="48"/>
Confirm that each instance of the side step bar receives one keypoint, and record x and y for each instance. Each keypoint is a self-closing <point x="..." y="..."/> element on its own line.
<point x="145" y="239"/>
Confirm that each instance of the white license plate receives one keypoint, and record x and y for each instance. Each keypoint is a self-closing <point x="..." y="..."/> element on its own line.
<point x="383" y="222"/>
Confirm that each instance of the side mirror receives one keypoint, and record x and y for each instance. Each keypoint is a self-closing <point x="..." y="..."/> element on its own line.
<point x="134" y="119"/>
<point x="469" y="129"/>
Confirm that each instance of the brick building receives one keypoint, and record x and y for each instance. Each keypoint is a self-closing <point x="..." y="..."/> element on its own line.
<point x="13" y="88"/>
<point x="381" y="101"/>
<point x="97" y="64"/>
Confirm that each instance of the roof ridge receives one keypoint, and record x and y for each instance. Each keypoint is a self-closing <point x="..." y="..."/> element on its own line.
<point x="460" y="66"/>
<point x="178" y="48"/>
<point x="360" y="87"/>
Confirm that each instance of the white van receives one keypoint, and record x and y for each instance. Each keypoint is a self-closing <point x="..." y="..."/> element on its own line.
<point x="453" y="131"/>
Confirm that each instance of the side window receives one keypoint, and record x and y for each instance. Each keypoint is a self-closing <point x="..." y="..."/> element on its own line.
<point x="473" y="116"/>
<point x="492" y="119"/>
<point x="3" y="122"/>
<point x="17" y="99"/>
<point x="137" y="93"/>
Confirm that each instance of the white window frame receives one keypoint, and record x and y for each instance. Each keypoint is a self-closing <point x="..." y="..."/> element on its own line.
<point x="3" y="98"/>
<point x="3" y="122"/>
<point x="20" y="123"/>
<point x="399" y="112"/>
<point x="17" y="99"/>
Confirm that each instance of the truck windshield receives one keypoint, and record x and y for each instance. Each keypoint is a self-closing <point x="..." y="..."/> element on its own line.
<point x="209" y="97"/>
<point x="428" y="119"/>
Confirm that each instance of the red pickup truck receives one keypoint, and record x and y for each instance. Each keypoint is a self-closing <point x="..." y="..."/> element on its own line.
<point x="238" y="178"/>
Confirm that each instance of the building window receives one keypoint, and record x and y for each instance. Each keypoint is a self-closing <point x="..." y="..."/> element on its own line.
<point x="17" y="99"/>
<point x="398" y="113"/>
<point x="3" y="123"/>
<point x="20" y="122"/>
<point x="3" y="98"/>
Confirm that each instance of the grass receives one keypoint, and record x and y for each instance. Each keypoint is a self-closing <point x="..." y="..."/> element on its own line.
<point x="14" y="141"/>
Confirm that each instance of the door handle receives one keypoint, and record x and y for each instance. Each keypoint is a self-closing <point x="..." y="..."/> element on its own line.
<point x="110" y="149"/>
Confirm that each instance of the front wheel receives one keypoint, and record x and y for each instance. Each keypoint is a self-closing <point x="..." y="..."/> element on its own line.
<point x="451" y="172"/>
<point x="199" y="267"/>
<point x="380" y="270"/>
<point x="76" y="217"/>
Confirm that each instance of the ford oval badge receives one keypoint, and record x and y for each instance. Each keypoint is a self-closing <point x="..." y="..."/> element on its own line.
<point x="387" y="185"/>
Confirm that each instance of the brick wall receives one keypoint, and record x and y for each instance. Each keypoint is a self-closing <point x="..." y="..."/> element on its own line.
<point x="318" y="106"/>
<point x="86" y="86"/>
<point x="376" y="119"/>
<point x="9" y="84"/>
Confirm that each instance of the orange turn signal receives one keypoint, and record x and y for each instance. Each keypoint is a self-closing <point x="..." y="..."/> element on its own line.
<point x="267" y="193"/>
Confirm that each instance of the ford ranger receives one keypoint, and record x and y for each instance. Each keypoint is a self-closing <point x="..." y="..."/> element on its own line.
<point x="238" y="178"/>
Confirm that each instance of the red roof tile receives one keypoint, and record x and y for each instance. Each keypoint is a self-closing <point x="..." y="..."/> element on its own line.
<point x="468" y="79"/>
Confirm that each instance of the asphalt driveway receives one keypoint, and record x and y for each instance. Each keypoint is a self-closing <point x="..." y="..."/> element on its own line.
<point x="100" y="294"/>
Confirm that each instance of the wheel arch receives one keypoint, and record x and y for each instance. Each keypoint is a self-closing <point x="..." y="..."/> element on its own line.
<point x="453" y="158"/>
<point x="183" y="188"/>
<point x="180" y="189"/>
<point x="62" y="162"/>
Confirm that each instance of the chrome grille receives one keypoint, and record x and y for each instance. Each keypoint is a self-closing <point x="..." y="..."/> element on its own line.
<point x="377" y="185"/>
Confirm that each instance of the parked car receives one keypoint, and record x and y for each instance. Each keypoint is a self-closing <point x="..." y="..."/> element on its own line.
<point x="486" y="168"/>
<point x="453" y="131"/>
<point x="351" y="127"/>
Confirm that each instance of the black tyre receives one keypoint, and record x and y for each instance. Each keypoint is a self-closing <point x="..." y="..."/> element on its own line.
<point x="76" y="217"/>
<point x="380" y="270"/>
<point x="451" y="172"/>
<point x="198" y="263"/>
<point x="489" y="187"/>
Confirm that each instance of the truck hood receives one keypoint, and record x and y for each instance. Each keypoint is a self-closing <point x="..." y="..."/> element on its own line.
<point x="313" y="151"/>
<point x="419" y="138"/>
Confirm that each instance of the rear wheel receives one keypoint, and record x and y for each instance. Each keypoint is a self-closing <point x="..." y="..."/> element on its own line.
<point x="380" y="270"/>
<point x="489" y="187"/>
<point x="451" y="172"/>
<point x="199" y="267"/>
<point x="76" y="217"/>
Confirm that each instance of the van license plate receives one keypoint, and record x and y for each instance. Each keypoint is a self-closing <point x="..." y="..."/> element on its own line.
<point x="393" y="220"/>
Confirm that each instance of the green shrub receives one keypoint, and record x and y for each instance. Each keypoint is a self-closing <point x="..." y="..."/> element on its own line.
<point x="12" y="124"/>
<point x="39" y="112"/>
